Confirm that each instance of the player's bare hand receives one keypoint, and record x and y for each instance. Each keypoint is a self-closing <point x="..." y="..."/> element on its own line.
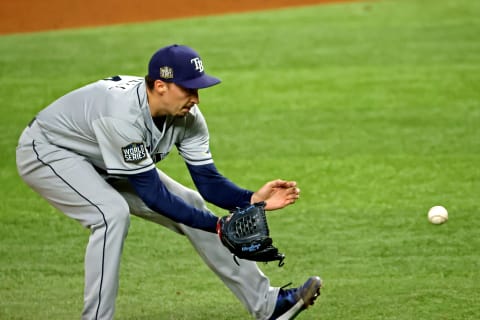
<point x="277" y="194"/>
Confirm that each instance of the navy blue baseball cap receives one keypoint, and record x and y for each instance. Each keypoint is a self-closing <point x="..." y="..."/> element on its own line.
<point x="181" y="65"/>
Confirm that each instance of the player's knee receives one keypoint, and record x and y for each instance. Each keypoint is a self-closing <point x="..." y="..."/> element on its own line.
<point x="119" y="215"/>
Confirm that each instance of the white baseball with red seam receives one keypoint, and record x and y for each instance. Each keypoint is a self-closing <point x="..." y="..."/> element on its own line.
<point x="437" y="215"/>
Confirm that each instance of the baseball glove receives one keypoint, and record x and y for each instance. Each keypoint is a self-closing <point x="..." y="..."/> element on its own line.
<point x="245" y="233"/>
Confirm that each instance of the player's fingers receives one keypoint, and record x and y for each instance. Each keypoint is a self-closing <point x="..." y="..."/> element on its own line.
<point x="294" y="196"/>
<point x="293" y="191"/>
<point x="279" y="183"/>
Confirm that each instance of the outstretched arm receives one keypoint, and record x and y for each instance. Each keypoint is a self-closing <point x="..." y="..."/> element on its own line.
<point x="217" y="189"/>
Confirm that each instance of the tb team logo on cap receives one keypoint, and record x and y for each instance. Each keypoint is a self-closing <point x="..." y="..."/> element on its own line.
<point x="198" y="64"/>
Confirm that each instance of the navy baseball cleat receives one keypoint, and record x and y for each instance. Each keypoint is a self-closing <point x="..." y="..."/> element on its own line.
<point x="293" y="301"/>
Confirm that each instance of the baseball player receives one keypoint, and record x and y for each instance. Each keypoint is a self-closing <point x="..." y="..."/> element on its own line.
<point x="92" y="154"/>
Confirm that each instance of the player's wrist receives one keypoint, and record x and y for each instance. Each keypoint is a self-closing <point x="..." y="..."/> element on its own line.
<point x="255" y="198"/>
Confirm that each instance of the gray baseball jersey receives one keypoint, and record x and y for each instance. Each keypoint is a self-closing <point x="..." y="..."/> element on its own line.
<point x="109" y="123"/>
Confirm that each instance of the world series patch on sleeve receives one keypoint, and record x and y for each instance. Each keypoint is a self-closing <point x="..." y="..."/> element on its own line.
<point x="246" y="234"/>
<point x="134" y="152"/>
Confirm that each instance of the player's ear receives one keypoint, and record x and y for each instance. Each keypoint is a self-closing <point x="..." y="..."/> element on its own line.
<point x="160" y="86"/>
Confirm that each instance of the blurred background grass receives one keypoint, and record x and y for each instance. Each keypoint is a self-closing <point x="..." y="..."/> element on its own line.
<point x="373" y="108"/>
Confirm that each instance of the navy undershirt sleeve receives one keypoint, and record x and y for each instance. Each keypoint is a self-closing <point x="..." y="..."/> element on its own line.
<point x="156" y="196"/>
<point x="217" y="189"/>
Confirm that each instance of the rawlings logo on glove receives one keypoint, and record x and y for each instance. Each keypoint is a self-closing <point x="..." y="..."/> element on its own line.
<point x="245" y="233"/>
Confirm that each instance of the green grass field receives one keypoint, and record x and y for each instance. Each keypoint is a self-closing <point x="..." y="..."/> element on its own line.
<point x="373" y="108"/>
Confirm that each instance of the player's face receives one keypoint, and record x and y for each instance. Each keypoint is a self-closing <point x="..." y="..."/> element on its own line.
<point x="179" y="100"/>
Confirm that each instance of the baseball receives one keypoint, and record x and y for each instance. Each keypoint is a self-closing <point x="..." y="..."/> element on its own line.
<point x="437" y="215"/>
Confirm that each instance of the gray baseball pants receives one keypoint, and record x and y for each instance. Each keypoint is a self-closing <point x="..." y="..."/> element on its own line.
<point x="71" y="184"/>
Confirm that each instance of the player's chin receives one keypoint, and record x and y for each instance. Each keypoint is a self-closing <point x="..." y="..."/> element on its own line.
<point x="182" y="113"/>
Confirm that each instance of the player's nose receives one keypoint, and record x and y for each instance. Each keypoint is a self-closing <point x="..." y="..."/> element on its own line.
<point x="195" y="98"/>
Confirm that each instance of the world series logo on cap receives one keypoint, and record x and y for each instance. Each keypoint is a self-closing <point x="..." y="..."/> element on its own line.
<point x="166" y="72"/>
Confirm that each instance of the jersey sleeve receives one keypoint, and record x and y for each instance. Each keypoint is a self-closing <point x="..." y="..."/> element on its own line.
<point x="122" y="146"/>
<point x="217" y="189"/>
<point x="156" y="196"/>
<point x="194" y="145"/>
